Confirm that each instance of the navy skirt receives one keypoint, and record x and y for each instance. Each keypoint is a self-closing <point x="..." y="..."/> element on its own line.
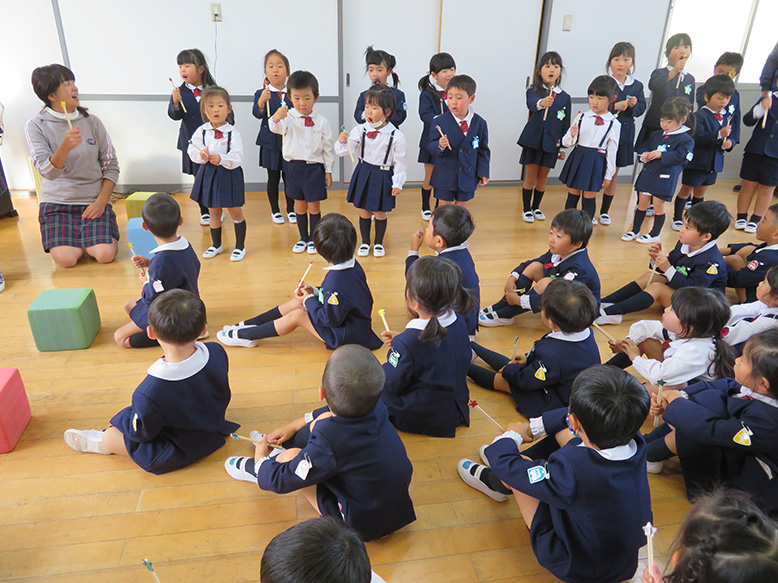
<point x="370" y="188"/>
<point x="584" y="169"/>
<point x="270" y="158"/>
<point x="217" y="187"/>
<point x="539" y="157"/>
<point x="625" y="155"/>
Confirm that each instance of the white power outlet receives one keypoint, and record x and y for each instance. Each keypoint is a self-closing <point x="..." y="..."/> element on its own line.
<point x="567" y="22"/>
<point x="216" y="11"/>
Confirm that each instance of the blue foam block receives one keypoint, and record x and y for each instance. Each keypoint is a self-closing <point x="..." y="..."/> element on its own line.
<point x="142" y="241"/>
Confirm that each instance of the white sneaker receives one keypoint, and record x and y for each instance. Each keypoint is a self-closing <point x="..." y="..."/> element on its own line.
<point x="241" y="468"/>
<point x="238" y="254"/>
<point x="654" y="467"/>
<point x="470" y="472"/>
<point x="299" y="247"/>
<point x="539" y="216"/>
<point x="688" y="203"/>
<point x="482" y="453"/>
<point x="364" y="250"/>
<point x="750" y="228"/>
<point x="213" y="251"/>
<point x="278" y="218"/>
<point x="604" y="318"/>
<point x="311" y="248"/>
<point x="630" y="236"/>
<point x="378" y="250"/>
<point x="647" y="238"/>
<point x="230" y="338"/>
<point x="594" y="220"/>
<point x="292" y="218"/>
<point x="237" y="326"/>
<point x="677" y="225"/>
<point x="528" y="217"/>
<point x="205" y="220"/>
<point x="605" y="219"/>
<point x="741" y="224"/>
<point x="489" y="318"/>
<point x="650" y="210"/>
<point x="86" y="440"/>
<point x="426" y="215"/>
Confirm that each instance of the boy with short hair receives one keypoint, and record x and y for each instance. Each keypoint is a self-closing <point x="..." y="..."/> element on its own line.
<point x="712" y="133"/>
<point x="586" y="505"/>
<point x="337" y="313"/>
<point x="461" y="154"/>
<point x="747" y="263"/>
<point x="729" y="64"/>
<point x="446" y="234"/>
<point x="174" y="265"/>
<point x="695" y="261"/>
<point x="177" y="412"/>
<point x="566" y="258"/>
<point x="308" y="151"/>
<point x="541" y="380"/>
<point x="347" y="458"/>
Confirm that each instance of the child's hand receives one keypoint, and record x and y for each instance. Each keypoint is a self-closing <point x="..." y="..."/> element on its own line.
<point x="574" y="130"/>
<point x="214" y="159"/>
<point x="679" y="66"/>
<point x="652" y="575"/>
<point x="387" y="336"/>
<point x="561" y="155"/>
<point x="522" y="429"/>
<point x="633" y="101"/>
<point x="654" y="250"/>
<point x="657" y="408"/>
<point x="621" y="105"/>
<point x="652" y="155"/>
<point x="264" y="96"/>
<point x="328" y="180"/>
<point x="547" y="101"/>
<point x="510" y="285"/>
<point x="617" y="346"/>
<point x="662" y="262"/>
<point x="513" y="298"/>
<point x="767" y="102"/>
<point x="670" y="395"/>
<point x="140" y="261"/>
<point x="343" y="137"/>
<point x="262" y="449"/>
<point x="72" y="138"/>
<point x="630" y="348"/>
<point x="725" y="131"/>
<point x="285" y="432"/>
<point x="176" y="96"/>
<point x="443" y="142"/>
<point x="396" y="191"/>
<point x="726" y="144"/>
<point x="416" y="239"/>
<point x="483" y="181"/>
<point x="281" y="113"/>
<point x="143" y="276"/>
<point x="605" y="184"/>
<point x="520" y="359"/>
<point x="204" y="154"/>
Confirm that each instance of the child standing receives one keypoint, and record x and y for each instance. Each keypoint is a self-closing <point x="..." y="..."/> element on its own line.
<point x="630" y="103"/>
<point x="177" y="412"/>
<point x="432" y="102"/>
<point x="338" y="312"/>
<point x="308" y="152"/>
<point x="379" y="66"/>
<point x="667" y="152"/>
<point x="595" y="137"/>
<point x="174" y="265"/>
<point x="266" y="102"/>
<point x="193" y="69"/>
<point x="217" y="147"/>
<point x="346" y="457"/>
<point x="461" y="161"/>
<point x="586" y="505"/>
<point x="747" y="263"/>
<point x="380" y="172"/>
<point x="542" y="380"/>
<point x="426" y="368"/>
<point x="540" y="140"/>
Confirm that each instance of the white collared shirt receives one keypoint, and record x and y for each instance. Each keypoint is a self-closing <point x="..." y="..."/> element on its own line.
<point x="671" y="271"/>
<point x="721" y="113"/>
<point x="309" y="143"/>
<point x="618" y="453"/>
<point x="751" y="394"/>
<point x="230" y="160"/>
<point x="421" y="323"/>
<point x="178" y="371"/>
<point x="768" y="247"/>
<point x="375" y="149"/>
<point x="685" y="359"/>
<point x="739" y="329"/>
<point x="178" y="245"/>
<point x="571" y="336"/>
<point x="628" y="80"/>
<point x="468" y="118"/>
<point x="591" y="135"/>
<point x="759" y="110"/>
<point x="341" y="266"/>
<point x="192" y="88"/>
<point x="459" y="247"/>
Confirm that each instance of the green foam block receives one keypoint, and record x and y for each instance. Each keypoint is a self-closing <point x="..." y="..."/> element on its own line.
<point x="64" y="319"/>
<point x="133" y="204"/>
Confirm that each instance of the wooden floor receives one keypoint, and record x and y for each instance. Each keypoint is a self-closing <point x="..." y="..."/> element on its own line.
<point x="70" y="517"/>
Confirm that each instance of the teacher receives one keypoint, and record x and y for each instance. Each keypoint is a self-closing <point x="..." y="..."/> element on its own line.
<point x="74" y="154"/>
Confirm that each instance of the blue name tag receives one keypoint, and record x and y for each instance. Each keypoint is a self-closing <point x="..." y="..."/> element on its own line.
<point x="476" y="142"/>
<point x="537" y="474"/>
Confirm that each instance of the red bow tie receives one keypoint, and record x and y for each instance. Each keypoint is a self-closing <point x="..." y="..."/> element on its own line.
<point x="197" y="92"/>
<point x="664" y="136"/>
<point x="719" y="117"/>
<point x="308" y="121"/>
<point x="463" y="125"/>
<point x="372" y="135"/>
<point x="444" y="95"/>
<point x="665" y="345"/>
<point x="217" y="134"/>
<point x="598" y="120"/>
<point x="280" y="95"/>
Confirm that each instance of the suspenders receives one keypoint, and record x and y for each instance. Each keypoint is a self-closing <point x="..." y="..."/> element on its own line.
<point x="229" y="140"/>
<point x="383" y="166"/>
<point x="604" y="137"/>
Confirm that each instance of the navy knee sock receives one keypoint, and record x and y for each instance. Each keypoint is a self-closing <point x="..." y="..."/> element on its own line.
<point x="637" y="222"/>
<point x="637" y="303"/>
<point x="216" y="237"/>
<point x="523" y="284"/>
<point x="380" y="230"/>
<point x="266" y="330"/>
<point x="589" y="206"/>
<point x="302" y="226"/>
<point x="482" y="377"/>
<point x="621" y="294"/>
<point x="572" y="200"/>
<point x="620" y="360"/>
<point x="314" y="221"/>
<point x="657" y="433"/>
<point x="364" y="230"/>
<point x="678" y="207"/>
<point x="656" y="228"/>
<point x="425" y="198"/>
<point x="526" y="199"/>
<point x="494" y="359"/>
<point x="537" y="197"/>
<point x="607" y="199"/>
<point x="141" y="340"/>
<point x="269" y="316"/>
<point x="657" y="451"/>
<point x="240" y="235"/>
<point x="489" y="478"/>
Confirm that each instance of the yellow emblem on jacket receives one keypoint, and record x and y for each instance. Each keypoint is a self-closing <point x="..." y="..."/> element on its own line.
<point x="333" y="301"/>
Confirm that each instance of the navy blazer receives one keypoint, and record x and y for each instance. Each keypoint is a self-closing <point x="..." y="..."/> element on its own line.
<point x="265" y="137"/>
<point x="706" y="269"/>
<point x="660" y="176"/>
<point x="426" y="384"/>
<point x="430" y="105"/>
<point x="575" y="267"/>
<point x="627" y="117"/>
<point x="662" y="90"/>
<point x="589" y="524"/>
<point x="733" y="110"/>
<point x="763" y="141"/>
<point x="398" y="115"/>
<point x="191" y="119"/>
<point x="757" y="265"/>
<point x="362" y="462"/>
<point x="459" y="168"/>
<point x="546" y="135"/>
<point x="708" y="155"/>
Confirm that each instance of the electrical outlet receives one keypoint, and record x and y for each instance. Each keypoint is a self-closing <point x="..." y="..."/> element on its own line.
<point x="216" y="11"/>
<point x="567" y="22"/>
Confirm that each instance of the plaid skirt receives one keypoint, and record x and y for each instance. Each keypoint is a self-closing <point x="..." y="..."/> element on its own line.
<point x="62" y="225"/>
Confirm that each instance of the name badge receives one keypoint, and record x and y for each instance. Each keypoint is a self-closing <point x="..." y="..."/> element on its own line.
<point x="303" y="467"/>
<point x="537" y="474"/>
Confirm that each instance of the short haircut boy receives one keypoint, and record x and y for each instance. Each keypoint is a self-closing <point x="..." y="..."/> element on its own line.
<point x="570" y="305"/>
<point x="335" y="238"/>
<point x="718" y="84"/>
<point x="319" y="550"/>
<point x="177" y="316"/>
<point x="710" y="216"/>
<point x="730" y="59"/>
<point x="162" y="215"/>
<point x="678" y="39"/>
<point x="464" y="83"/>
<point x="576" y="224"/>
<point x="382" y="96"/>
<point x="604" y="86"/>
<point x="353" y="381"/>
<point x="452" y="223"/>
<point x="610" y="404"/>
<point x="302" y="80"/>
<point x="772" y="211"/>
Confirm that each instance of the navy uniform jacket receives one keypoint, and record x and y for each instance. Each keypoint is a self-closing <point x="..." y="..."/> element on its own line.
<point x="706" y="269"/>
<point x="763" y="141"/>
<point x="426" y="384"/>
<point x="265" y="137"/>
<point x="341" y="308"/>
<point x="758" y="262"/>
<point x="660" y="177"/>
<point x="662" y="90"/>
<point x="430" y="105"/>
<point x="589" y="524"/>
<point x="177" y="412"/>
<point x="627" y="117"/>
<point x="461" y="256"/>
<point x="546" y="135"/>
<point x="359" y="460"/>
<point x="459" y="169"/>
<point x="744" y="430"/>
<point x="398" y="115"/>
<point x="191" y="119"/>
<point x="708" y="155"/>
<point x="575" y="267"/>
<point x="733" y="111"/>
<point x="544" y="383"/>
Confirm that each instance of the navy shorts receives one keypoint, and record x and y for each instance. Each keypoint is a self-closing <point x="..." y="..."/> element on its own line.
<point x="305" y="181"/>
<point x="453" y="195"/>
<point x="695" y="178"/>
<point x="760" y="168"/>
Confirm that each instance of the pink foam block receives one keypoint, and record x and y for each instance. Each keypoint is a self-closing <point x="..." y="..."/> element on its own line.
<point x="14" y="408"/>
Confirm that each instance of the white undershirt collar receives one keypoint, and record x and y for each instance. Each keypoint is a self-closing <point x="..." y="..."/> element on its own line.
<point x="179" y="245"/>
<point x="177" y="371"/>
<point x="571" y="336"/>
<point x="341" y="266"/>
<point x="421" y="323"/>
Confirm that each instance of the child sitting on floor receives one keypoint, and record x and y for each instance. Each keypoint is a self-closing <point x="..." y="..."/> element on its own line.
<point x="177" y="412"/>
<point x="337" y="313"/>
<point x="745" y="320"/>
<point x="567" y="258"/>
<point x="346" y="457"/>
<point x="541" y="380"/>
